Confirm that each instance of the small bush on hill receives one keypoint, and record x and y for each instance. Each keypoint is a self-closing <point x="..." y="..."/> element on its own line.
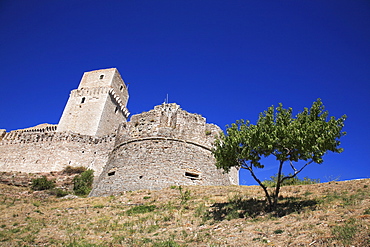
<point x="291" y="181"/>
<point x="141" y="209"/>
<point x="42" y="183"/>
<point x="82" y="184"/>
<point x="58" y="192"/>
<point x="74" y="170"/>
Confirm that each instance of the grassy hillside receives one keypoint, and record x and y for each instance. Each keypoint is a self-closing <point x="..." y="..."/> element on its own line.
<point x="328" y="214"/>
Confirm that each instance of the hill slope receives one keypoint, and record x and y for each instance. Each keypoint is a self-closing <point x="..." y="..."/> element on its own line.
<point x="328" y="214"/>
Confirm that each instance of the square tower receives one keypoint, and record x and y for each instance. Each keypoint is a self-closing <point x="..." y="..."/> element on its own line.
<point x="98" y="106"/>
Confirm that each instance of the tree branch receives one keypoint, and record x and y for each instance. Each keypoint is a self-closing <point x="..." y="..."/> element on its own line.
<point x="295" y="171"/>
<point x="292" y="166"/>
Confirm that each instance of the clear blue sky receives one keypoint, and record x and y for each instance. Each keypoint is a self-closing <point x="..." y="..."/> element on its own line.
<point x="226" y="60"/>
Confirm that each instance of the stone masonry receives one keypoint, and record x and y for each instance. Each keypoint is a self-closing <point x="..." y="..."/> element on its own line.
<point x="163" y="147"/>
<point x="98" y="106"/>
<point x="156" y="149"/>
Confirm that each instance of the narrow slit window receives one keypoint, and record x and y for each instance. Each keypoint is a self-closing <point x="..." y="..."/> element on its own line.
<point x="116" y="110"/>
<point x="101" y="77"/>
<point x="121" y="88"/>
<point x="192" y="175"/>
<point x="83" y="100"/>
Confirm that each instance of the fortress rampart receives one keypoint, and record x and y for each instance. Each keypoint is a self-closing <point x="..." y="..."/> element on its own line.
<point x="155" y="149"/>
<point x="36" y="152"/>
<point x="165" y="146"/>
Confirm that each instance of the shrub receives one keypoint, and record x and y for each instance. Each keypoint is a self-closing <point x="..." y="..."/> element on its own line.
<point x="58" y="192"/>
<point x="184" y="195"/>
<point x="74" y="170"/>
<point x="42" y="183"/>
<point x="291" y="181"/>
<point x="82" y="183"/>
<point x="141" y="209"/>
<point x="278" y="231"/>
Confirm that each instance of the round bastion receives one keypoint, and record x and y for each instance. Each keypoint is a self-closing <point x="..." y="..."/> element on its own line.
<point x="160" y="148"/>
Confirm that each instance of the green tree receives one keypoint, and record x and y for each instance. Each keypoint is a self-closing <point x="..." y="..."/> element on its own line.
<point x="307" y="137"/>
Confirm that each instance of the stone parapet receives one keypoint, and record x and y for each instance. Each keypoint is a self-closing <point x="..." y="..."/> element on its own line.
<point x="169" y="121"/>
<point x="2" y="133"/>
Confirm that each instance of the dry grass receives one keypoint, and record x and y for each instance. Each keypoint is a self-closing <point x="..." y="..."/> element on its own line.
<point x="329" y="214"/>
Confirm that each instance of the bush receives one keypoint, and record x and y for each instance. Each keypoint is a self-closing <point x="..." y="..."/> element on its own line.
<point x="82" y="184"/>
<point x="291" y="181"/>
<point x="58" y="192"/>
<point x="74" y="170"/>
<point x="42" y="183"/>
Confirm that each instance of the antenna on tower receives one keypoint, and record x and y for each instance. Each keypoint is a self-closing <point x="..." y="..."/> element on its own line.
<point x="166" y="99"/>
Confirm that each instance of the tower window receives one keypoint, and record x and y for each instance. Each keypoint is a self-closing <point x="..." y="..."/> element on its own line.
<point x="116" y="110"/>
<point x="101" y="77"/>
<point x="83" y="100"/>
<point x="121" y="88"/>
<point x="111" y="173"/>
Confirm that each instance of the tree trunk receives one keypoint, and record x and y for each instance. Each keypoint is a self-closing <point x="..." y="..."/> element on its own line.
<point x="275" y="196"/>
<point x="268" y="197"/>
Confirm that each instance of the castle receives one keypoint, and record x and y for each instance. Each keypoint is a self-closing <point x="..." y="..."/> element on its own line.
<point x="155" y="149"/>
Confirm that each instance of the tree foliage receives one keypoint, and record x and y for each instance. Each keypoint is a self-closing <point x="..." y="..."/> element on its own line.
<point x="306" y="137"/>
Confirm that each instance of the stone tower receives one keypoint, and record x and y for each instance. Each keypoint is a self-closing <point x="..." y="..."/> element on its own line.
<point x="98" y="106"/>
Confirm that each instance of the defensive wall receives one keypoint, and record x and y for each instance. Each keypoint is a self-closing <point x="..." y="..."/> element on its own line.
<point x="39" y="151"/>
<point x="163" y="147"/>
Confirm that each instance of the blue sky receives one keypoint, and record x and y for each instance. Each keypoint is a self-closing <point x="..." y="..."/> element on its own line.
<point x="226" y="60"/>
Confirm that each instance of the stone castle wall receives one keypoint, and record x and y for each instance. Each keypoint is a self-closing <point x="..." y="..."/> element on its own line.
<point x="165" y="146"/>
<point x="36" y="152"/>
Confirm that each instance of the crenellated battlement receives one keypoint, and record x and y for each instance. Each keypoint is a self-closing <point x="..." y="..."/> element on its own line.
<point x="101" y="91"/>
<point x="16" y="137"/>
<point x="169" y="121"/>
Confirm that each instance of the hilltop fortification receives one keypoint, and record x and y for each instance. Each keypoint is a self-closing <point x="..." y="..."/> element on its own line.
<point x="155" y="149"/>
